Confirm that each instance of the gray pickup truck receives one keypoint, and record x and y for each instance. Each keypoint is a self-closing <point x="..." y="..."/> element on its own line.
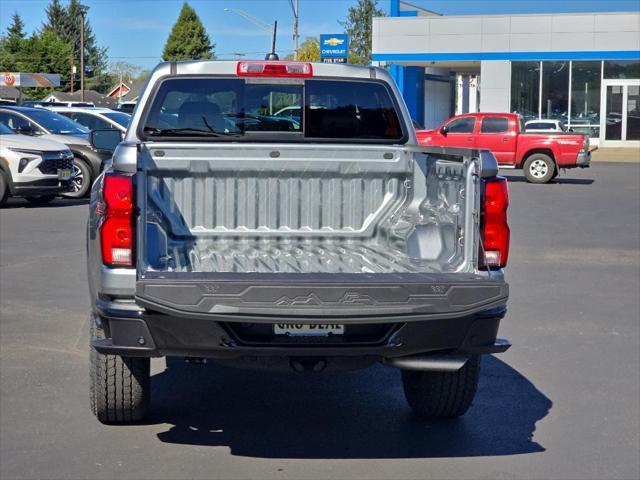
<point x="320" y="240"/>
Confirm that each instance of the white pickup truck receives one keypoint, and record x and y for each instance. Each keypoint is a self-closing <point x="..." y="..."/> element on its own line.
<point x="332" y="240"/>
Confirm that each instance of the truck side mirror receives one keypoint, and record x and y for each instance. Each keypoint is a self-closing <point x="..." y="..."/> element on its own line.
<point x="444" y="129"/>
<point x="106" y="139"/>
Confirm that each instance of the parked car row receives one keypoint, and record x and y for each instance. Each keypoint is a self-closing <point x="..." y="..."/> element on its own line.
<point x="57" y="128"/>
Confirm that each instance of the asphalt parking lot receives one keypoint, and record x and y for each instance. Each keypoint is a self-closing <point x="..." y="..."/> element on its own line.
<point x="562" y="403"/>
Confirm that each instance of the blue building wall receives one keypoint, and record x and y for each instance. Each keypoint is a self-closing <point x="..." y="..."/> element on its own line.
<point x="410" y="80"/>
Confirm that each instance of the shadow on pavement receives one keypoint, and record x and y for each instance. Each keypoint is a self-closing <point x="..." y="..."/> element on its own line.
<point x="55" y="203"/>
<point x="359" y="414"/>
<point x="559" y="180"/>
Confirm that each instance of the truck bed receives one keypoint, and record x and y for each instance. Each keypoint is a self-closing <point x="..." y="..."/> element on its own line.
<point x="363" y="210"/>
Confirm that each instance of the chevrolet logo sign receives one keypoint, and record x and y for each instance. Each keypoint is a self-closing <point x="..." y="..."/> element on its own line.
<point x="333" y="41"/>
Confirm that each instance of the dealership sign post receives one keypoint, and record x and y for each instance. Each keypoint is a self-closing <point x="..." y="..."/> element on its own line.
<point x="334" y="48"/>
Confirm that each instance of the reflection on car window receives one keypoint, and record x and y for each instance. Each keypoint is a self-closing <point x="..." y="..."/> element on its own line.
<point x="13" y="121"/>
<point x="323" y="109"/>
<point x="55" y="123"/>
<point x="4" y="130"/>
<point x="92" y="122"/>
<point x="350" y="110"/>
<point x="119" y="117"/>
<point x="462" y="125"/>
<point x="494" y="125"/>
<point x="223" y="106"/>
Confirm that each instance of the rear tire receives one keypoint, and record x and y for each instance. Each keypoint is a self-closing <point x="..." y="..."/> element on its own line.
<point x="119" y="386"/>
<point x="80" y="181"/>
<point x="539" y="168"/>
<point x="442" y="394"/>
<point x="41" y="200"/>
<point x="4" y="188"/>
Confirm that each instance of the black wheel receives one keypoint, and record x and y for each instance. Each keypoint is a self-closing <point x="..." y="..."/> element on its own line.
<point x="442" y="394"/>
<point x="41" y="200"/>
<point x="80" y="180"/>
<point x="119" y="386"/>
<point x="555" y="174"/>
<point x="539" y="168"/>
<point x="4" y="188"/>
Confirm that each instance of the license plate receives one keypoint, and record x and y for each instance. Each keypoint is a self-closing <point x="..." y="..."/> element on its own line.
<point x="299" y="330"/>
<point x="64" y="173"/>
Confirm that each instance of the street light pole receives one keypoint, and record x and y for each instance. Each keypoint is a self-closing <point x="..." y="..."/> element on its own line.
<point x="259" y="23"/>
<point x="82" y="56"/>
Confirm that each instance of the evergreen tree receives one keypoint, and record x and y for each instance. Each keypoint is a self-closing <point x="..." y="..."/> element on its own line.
<point x="188" y="39"/>
<point x="65" y="22"/>
<point x="358" y="26"/>
<point x="15" y="35"/>
<point x="44" y="52"/>
<point x="57" y="19"/>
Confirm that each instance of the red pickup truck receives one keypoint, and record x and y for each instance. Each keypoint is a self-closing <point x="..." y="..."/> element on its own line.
<point x="540" y="155"/>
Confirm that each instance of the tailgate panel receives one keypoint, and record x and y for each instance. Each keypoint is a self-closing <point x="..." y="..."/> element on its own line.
<point x="325" y="295"/>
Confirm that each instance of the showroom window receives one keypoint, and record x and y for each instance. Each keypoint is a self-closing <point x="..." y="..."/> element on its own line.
<point x="558" y="90"/>
<point x="585" y="97"/>
<point x="621" y="69"/>
<point x="555" y="90"/>
<point x="525" y="89"/>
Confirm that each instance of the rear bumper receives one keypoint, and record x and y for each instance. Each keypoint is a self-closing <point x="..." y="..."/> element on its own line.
<point x="132" y="331"/>
<point x="583" y="160"/>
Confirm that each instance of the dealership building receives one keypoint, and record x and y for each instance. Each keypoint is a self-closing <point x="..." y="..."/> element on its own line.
<point x="580" y="68"/>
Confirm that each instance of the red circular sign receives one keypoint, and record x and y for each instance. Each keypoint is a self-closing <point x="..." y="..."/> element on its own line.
<point x="8" y="78"/>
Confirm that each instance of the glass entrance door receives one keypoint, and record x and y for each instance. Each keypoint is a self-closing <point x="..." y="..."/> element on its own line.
<point x="633" y="112"/>
<point x="613" y="117"/>
<point x="621" y="122"/>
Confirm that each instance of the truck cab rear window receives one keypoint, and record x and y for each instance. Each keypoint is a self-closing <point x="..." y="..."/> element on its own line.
<point x="225" y="108"/>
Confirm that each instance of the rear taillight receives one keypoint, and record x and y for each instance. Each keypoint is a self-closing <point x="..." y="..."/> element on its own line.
<point x="585" y="144"/>
<point x="117" y="229"/>
<point x="494" y="248"/>
<point x="274" y="69"/>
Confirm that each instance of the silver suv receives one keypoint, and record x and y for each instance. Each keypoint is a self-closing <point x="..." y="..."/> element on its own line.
<point x="34" y="168"/>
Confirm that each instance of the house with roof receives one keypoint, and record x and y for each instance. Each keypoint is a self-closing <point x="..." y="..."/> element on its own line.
<point x="90" y="96"/>
<point x="119" y="90"/>
<point x="9" y="94"/>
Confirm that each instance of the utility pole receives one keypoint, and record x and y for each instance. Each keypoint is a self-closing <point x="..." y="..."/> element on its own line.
<point x="73" y="71"/>
<point x="120" y="89"/>
<point x="296" y="36"/>
<point x="82" y="56"/>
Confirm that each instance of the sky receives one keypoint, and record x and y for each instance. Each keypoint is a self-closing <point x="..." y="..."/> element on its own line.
<point x="135" y="30"/>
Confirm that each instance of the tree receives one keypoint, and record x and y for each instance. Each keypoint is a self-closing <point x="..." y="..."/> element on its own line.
<point x="12" y="43"/>
<point x="57" y="19"/>
<point x="129" y="73"/>
<point x="188" y="39"/>
<point x="65" y="22"/>
<point x="358" y="27"/>
<point x="309" y="51"/>
<point x="15" y="35"/>
<point x="125" y="70"/>
<point x="45" y="52"/>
